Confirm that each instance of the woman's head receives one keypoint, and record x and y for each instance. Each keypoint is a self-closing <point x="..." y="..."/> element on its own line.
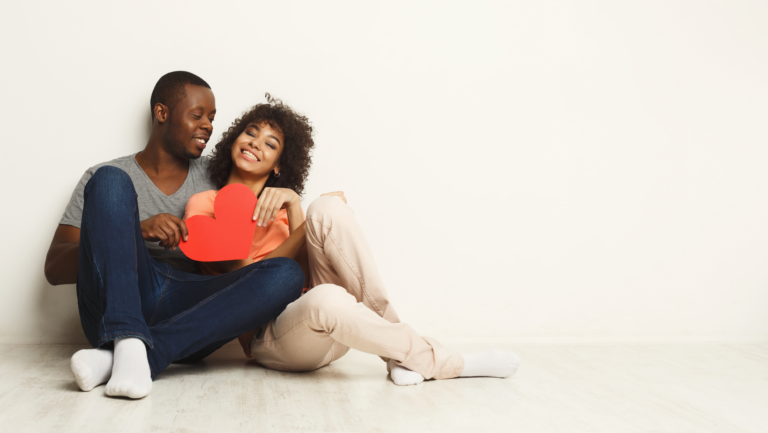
<point x="268" y="140"/>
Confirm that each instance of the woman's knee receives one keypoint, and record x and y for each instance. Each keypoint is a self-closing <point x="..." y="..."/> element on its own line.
<point x="325" y="207"/>
<point x="327" y="298"/>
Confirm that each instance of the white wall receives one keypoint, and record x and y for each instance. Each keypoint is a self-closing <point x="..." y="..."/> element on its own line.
<point x="527" y="171"/>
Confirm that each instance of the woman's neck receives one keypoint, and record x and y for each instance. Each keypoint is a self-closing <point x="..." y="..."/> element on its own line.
<point x="256" y="184"/>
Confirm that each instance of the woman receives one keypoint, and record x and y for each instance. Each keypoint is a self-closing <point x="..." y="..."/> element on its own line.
<point x="268" y="150"/>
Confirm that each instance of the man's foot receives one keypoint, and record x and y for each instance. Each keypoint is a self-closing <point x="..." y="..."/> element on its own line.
<point x="130" y="370"/>
<point x="491" y="363"/>
<point x="402" y="376"/>
<point x="92" y="367"/>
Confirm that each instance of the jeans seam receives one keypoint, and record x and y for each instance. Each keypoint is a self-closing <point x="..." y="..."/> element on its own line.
<point x="208" y="299"/>
<point x="113" y="337"/>
<point x="85" y="298"/>
<point x="159" y="301"/>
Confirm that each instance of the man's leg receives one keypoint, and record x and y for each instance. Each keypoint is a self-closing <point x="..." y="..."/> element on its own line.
<point x="115" y="279"/>
<point x="152" y="292"/>
<point x="114" y="263"/>
<point x="199" y="312"/>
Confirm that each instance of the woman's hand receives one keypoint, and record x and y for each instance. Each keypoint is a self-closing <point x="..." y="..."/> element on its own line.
<point x="270" y="203"/>
<point x="339" y="194"/>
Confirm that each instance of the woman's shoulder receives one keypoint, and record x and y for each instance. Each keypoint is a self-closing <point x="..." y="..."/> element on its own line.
<point x="200" y="203"/>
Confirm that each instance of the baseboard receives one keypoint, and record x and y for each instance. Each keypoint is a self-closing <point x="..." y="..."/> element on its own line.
<point x="597" y="340"/>
<point x="76" y="340"/>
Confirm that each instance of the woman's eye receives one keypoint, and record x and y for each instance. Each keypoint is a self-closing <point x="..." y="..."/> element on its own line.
<point x="251" y="134"/>
<point x="271" y="146"/>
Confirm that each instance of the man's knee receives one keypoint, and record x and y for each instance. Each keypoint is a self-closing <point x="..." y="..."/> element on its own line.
<point x="112" y="180"/>
<point x="291" y="277"/>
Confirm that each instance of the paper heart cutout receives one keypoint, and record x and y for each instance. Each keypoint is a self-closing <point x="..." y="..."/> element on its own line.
<point x="230" y="234"/>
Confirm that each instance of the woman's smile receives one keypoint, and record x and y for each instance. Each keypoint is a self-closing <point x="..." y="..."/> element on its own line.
<point x="249" y="156"/>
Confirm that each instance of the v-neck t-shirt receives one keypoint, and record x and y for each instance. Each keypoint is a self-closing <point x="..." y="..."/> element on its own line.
<point x="151" y="202"/>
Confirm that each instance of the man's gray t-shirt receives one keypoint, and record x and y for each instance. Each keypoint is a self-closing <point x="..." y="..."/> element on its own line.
<point x="151" y="201"/>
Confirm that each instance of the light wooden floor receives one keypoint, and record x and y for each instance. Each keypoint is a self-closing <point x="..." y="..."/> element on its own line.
<point x="664" y="388"/>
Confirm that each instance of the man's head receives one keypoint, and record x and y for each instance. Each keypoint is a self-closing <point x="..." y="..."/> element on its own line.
<point x="183" y="109"/>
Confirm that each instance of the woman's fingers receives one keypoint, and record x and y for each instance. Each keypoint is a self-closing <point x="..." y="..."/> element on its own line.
<point x="259" y="204"/>
<point x="275" y="209"/>
<point x="267" y="207"/>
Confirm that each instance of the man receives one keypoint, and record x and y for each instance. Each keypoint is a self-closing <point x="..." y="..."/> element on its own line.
<point x="118" y="240"/>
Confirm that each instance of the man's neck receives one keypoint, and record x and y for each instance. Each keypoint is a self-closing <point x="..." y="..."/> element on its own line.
<point x="157" y="162"/>
<point x="168" y="172"/>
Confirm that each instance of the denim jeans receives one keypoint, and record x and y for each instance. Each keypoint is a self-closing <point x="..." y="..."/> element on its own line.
<point x="123" y="292"/>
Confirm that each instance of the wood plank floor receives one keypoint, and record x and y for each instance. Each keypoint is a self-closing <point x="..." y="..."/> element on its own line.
<point x="608" y="388"/>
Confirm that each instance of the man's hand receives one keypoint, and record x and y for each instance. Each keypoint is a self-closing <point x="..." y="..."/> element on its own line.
<point x="270" y="203"/>
<point x="165" y="228"/>
<point x="339" y="194"/>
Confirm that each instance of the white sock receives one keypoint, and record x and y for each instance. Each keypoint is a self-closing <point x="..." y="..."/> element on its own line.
<point x="92" y="367"/>
<point x="130" y="370"/>
<point x="491" y="363"/>
<point x="402" y="376"/>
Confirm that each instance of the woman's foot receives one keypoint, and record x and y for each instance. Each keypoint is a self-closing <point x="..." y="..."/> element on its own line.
<point x="92" y="367"/>
<point x="402" y="376"/>
<point x="131" y="376"/>
<point x="491" y="363"/>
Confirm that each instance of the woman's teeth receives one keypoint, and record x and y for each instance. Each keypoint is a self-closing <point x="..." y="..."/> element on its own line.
<point x="247" y="153"/>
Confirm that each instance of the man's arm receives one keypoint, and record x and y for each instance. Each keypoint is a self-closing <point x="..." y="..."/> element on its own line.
<point x="62" y="259"/>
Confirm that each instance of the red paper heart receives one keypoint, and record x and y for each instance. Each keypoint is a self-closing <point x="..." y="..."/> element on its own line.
<point x="229" y="236"/>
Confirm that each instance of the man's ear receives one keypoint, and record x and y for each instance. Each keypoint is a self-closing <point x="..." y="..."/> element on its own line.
<point x="161" y="112"/>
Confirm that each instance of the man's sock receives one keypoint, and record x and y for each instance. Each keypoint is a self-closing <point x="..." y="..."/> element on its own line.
<point x="92" y="367"/>
<point x="130" y="370"/>
<point x="402" y="376"/>
<point x="491" y="363"/>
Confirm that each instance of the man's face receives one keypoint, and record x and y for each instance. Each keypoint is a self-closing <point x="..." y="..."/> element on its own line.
<point x="190" y="124"/>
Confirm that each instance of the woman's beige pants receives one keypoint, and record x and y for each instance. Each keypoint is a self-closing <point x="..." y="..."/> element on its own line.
<point x="347" y="307"/>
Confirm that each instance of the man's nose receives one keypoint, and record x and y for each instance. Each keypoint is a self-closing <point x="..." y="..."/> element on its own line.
<point x="207" y="125"/>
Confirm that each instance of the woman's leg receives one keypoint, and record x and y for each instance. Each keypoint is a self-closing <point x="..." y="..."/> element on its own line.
<point x="339" y="254"/>
<point x="322" y="325"/>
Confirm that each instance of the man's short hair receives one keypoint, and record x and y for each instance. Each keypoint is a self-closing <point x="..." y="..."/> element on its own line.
<point x="169" y="89"/>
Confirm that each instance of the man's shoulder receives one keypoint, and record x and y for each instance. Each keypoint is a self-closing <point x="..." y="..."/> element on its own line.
<point x="123" y="162"/>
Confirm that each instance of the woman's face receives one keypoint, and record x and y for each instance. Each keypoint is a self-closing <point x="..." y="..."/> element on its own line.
<point x="257" y="150"/>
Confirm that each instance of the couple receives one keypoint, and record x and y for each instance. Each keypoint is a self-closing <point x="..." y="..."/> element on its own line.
<point x="144" y="305"/>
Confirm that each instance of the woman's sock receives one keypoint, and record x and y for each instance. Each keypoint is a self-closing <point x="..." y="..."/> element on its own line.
<point x="402" y="376"/>
<point x="491" y="363"/>
<point x="92" y="367"/>
<point x="131" y="376"/>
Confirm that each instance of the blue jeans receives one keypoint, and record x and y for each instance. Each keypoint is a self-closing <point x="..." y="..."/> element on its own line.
<point x="123" y="292"/>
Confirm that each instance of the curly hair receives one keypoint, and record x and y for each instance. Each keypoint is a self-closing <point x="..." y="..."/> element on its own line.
<point x="296" y="157"/>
